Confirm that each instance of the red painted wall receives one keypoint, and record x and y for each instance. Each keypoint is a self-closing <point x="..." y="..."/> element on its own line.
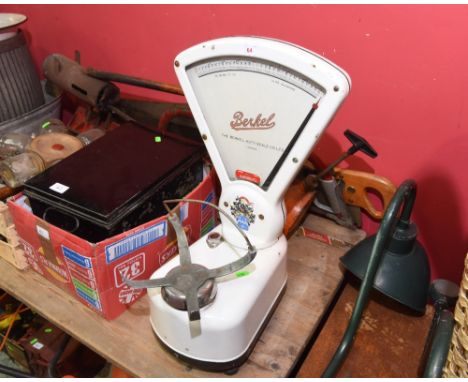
<point x="408" y="64"/>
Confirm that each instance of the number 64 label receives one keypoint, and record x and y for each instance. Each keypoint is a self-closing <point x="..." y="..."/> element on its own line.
<point x="129" y="269"/>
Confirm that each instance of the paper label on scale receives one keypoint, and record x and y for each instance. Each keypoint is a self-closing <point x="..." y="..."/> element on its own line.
<point x="244" y="175"/>
<point x="242" y="210"/>
<point x="243" y="222"/>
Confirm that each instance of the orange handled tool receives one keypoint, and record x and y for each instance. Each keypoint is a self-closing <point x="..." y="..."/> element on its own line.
<point x="357" y="187"/>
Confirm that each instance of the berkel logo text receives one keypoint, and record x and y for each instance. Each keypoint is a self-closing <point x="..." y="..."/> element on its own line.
<point x="239" y="122"/>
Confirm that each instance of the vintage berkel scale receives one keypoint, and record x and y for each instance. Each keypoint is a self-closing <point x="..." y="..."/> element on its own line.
<point x="260" y="105"/>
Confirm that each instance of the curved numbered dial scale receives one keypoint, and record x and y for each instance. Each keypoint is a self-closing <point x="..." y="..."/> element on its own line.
<point x="254" y="109"/>
<point x="261" y="105"/>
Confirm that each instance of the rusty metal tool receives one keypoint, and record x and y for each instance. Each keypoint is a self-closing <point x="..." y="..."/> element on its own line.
<point x="94" y="87"/>
<point x="358" y="143"/>
<point x="340" y="192"/>
<point x="134" y="81"/>
<point x="72" y="77"/>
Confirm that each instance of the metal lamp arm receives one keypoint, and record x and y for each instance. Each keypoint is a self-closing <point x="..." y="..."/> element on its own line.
<point x="440" y="345"/>
<point x="405" y="195"/>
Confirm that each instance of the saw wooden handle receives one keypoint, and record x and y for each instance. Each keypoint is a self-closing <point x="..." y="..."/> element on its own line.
<point x="297" y="200"/>
<point x="357" y="186"/>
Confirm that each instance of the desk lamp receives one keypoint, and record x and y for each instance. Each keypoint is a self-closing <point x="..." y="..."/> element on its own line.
<point x="392" y="261"/>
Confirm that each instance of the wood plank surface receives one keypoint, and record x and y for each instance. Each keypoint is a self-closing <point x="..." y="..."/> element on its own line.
<point x="389" y="343"/>
<point x="129" y="343"/>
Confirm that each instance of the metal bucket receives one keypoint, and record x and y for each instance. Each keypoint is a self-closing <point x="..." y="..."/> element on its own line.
<point x="20" y="88"/>
<point x="30" y="123"/>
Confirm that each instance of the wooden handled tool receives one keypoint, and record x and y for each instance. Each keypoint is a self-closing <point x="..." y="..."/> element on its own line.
<point x="357" y="186"/>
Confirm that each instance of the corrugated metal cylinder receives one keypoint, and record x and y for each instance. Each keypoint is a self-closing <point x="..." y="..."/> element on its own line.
<point x="20" y="88"/>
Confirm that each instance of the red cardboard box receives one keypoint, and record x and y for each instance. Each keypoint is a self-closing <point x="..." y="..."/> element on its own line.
<point x="93" y="271"/>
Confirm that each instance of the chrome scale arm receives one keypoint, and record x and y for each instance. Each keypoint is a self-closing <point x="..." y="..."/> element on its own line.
<point x="187" y="278"/>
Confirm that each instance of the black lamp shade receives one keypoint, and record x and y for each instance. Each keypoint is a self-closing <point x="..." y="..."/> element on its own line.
<point x="403" y="273"/>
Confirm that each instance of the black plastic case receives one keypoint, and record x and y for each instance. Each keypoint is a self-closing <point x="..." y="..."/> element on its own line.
<point x="116" y="183"/>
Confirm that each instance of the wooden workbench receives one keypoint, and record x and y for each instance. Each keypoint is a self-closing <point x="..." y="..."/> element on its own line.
<point x="388" y="344"/>
<point x="129" y="343"/>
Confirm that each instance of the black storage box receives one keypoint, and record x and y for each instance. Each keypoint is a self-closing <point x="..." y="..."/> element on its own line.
<point x="116" y="183"/>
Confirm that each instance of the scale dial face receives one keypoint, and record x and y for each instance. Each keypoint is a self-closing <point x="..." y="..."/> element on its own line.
<point x="253" y="108"/>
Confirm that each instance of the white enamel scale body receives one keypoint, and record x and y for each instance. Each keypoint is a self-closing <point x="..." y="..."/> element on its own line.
<point x="260" y="105"/>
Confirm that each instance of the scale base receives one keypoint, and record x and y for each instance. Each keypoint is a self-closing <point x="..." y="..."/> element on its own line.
<point x="226" y="333"/>
<point x="230" y="367"/>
